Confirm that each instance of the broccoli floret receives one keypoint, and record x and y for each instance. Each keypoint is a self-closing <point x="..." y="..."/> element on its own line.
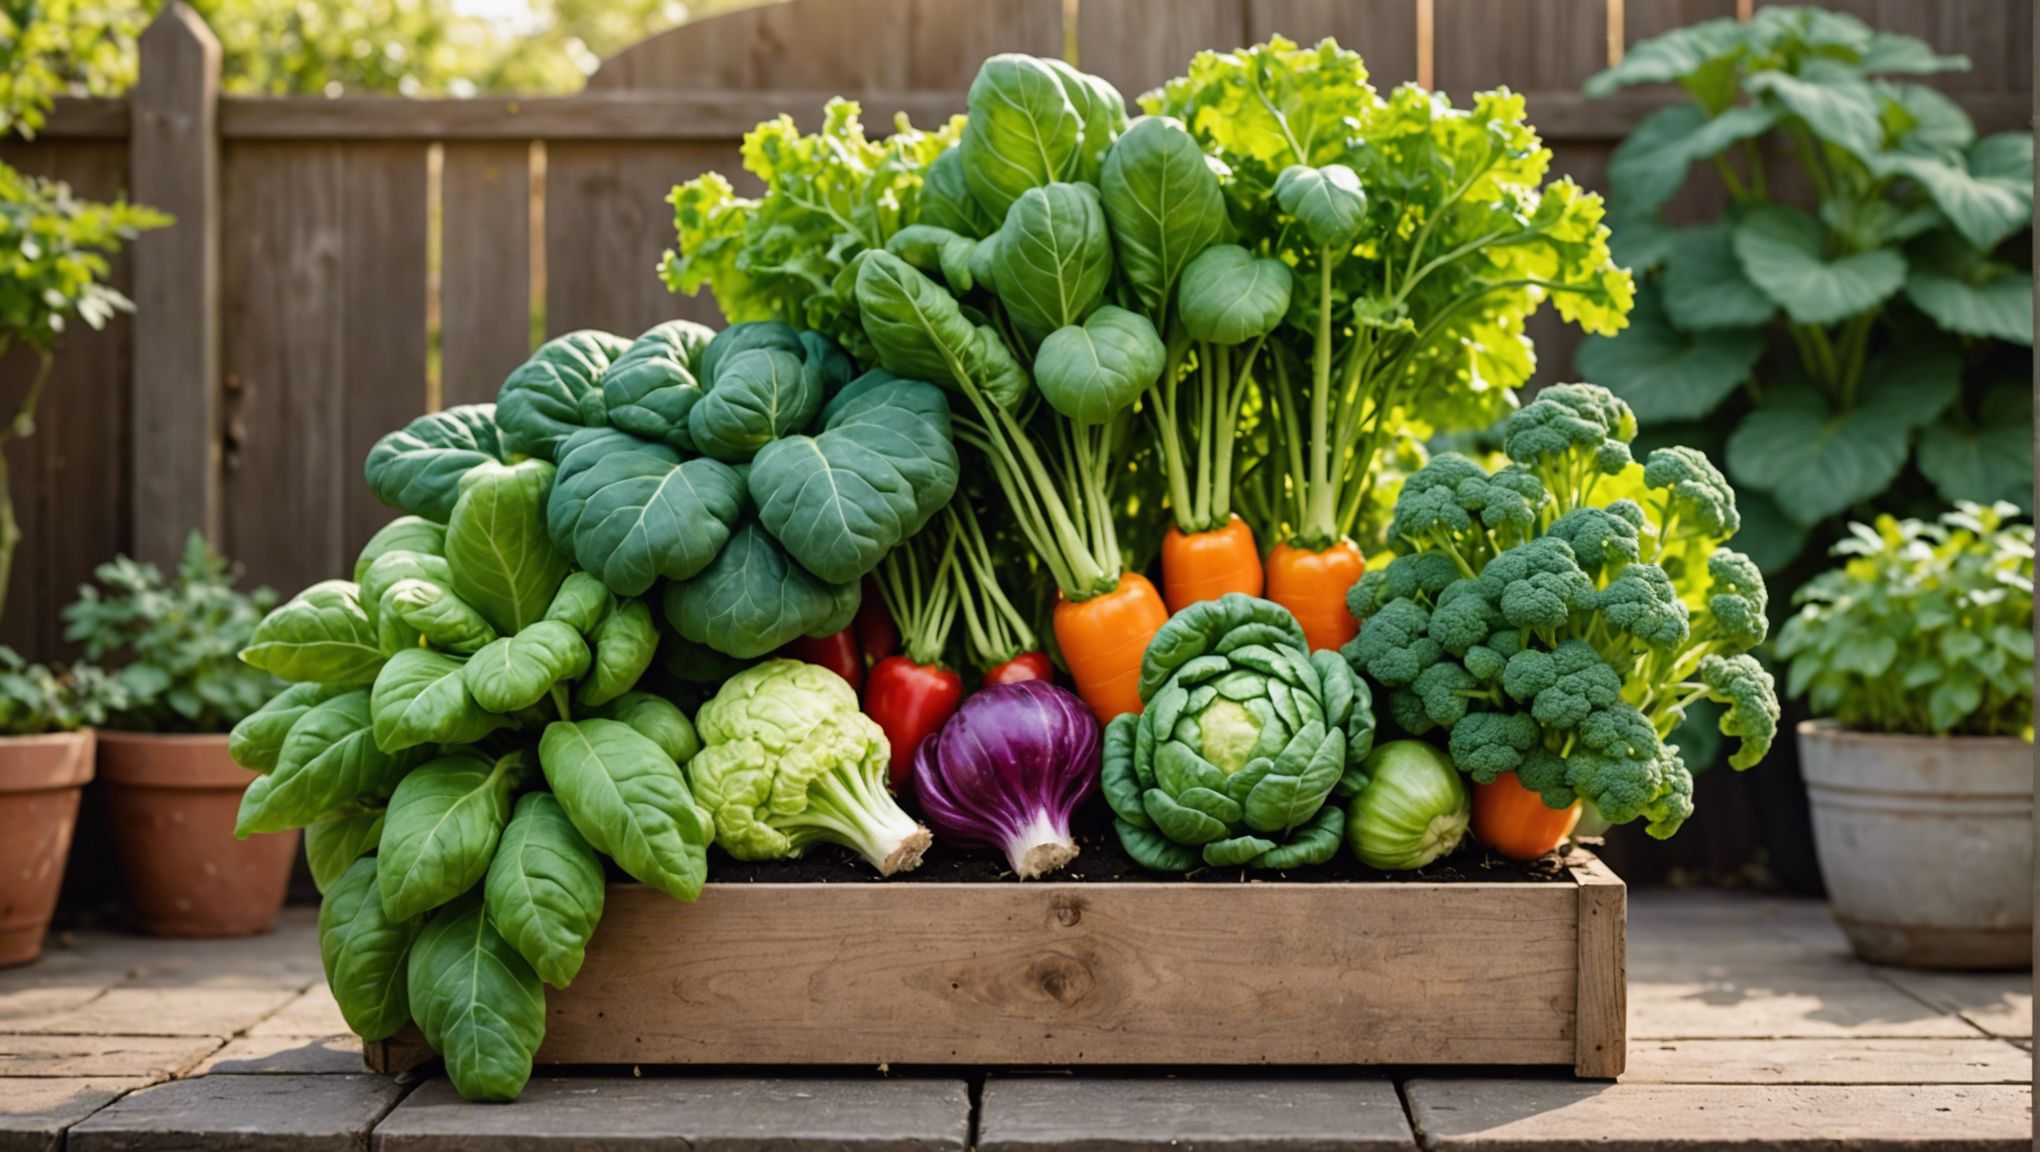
<point x="1737" y="599"/>
<point x="1369" y="593"/>
<point x="1642" y="602"/>
<point x="1544" y="772"/>
<point x="1392" y="647"/>
<point x="1439" y="686"/>
<point x="1538" y="584"/>
<point x="1508" y="499"/>
<point x="1567" y="418"/>
<point x="1699" y="494"/>
<point x="1485" y="663"/>
<point x="1599" y="537"/>
<point x="1752" y="704"/>
<point x="1630" y="512"/>
<point x="1419" y="574"/>
<point x="1675" y="797"/>
<point x="1582" y="685"/>
<point x="1406" y="708"/>
<point x="1618" y="763"/>
<point x="1463" y="617"/>
<point x="1486" y="744"/>
<point x="1527" y="673"/>
<point x="1428" y="504"/>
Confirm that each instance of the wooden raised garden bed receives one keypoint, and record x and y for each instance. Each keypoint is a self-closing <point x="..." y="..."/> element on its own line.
<point x="1068" y="973"/>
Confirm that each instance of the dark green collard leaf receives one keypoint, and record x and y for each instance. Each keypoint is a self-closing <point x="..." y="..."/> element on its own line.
<point x="947" y="203"/>
<point x="442" y="619"/>
<point x="418" y="467"/>
<point x="631" y="512"/>
<point x="364" y="953"/>
<point x="1650" y="164"/>
<point x="388" y="570"/>
<point x="478" y="1002"/>
<point x="649" y="389"/>
<point x="625" y="642"/>
<point x="1164" y="205"/>
<point x="496" y="543"/>
<point x="581" y="603"/>
<point x="1022" y="132"/>
<point x="328" y="761"/>
<point x="1230" y="296"/>
<point x="883" y="464"/>
<point x="336" y="840"/>
<point x="557" y="392"/>
<point x="1703" y="285"/>
<point x="545" y="888"/>
<point x="630" y="800"/>
<point x="1665" y="374"/>
<point x="1781" y="253"/>
<point x="1101" y="111"/>
<point x="406" y="534"/>
<point x="1327" y="201"/>
<point x="1094" y="371"/>
<point x="1986" y="459"/>
<point x="257" y="741"/>
<point x="659" y="720"/>
<point x="745" y="337"/>
<point x="441" y="830"/>
<point x="518" y="671"/>
<point x="757" y="396"/>
<point x="421" y="697"/>
<point x="1053" y="258"/>
<point x="322" y="634"/>
<point x="754" y="598"/>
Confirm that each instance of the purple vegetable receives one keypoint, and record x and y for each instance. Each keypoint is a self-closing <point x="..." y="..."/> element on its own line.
<point x="1007" y="770"/>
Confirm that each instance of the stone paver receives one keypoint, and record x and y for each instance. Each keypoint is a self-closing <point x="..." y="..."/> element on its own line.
<point x="1122" y="1114"/>
<point x="222" y="1113"/>
<point x="1521" y="1115"/>
<point x="28" y="1003"/>
<point x="154" y="1057"/>
<point x="2000" y="1003"/>
<point x="716" y="1114"/>
<point x="270" y="1054"/>
<point x="313" y="1013"/>
<point x="34" y="1113"/>
<point x="163" y="1012"/>
<point x="1854" y="1061"/>
<point x="1764" y="1004"/>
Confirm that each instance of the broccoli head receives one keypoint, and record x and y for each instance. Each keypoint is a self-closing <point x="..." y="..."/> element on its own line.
<point x="1563" y="686"/>
<point x="1420" y="574"/>
<point x="1370" y="592"/>
<point x="1463" y="617"/>
<point x="1428" y="504"/>
<point x="1737" y="599"/>
<point x="1544" y="772"/>
<point x="1537" y="585"/>
<point x="1752" y="704"/>
<point x="1674" y="802"/>
<point x="1618" y="763"/>
<point x="1485" y="663"/>
<point x="1509" y="499"/>
<point x="1600" y="537"/>
<point x="1642" y="602"/>
<point x="1439" y="687"/>
<point x="1566" y="419"/>
<point x="1699" y="494"/>
<point x="1486" y="744"/>
<point x="1406" y="708"/>
<point x="1392" y="647"/>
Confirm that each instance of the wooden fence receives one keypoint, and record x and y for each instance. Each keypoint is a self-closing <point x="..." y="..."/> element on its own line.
<point x="289" y="317"/>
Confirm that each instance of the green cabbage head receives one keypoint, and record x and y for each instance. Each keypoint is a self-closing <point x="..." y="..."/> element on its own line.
<point x="1246" y="739"/>
<point x="787" y="761"/>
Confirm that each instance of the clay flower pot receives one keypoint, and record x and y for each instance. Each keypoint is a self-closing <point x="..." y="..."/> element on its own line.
<point x="172" y="802"/>
<point x="40" y="778"/>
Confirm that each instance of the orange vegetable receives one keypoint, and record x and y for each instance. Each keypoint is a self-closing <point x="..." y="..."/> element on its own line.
<point x="1207" y="565"/>
<point x="1312" y="585"/>
<point x="1103" y="639"/>
<point x="1513" y="820"/>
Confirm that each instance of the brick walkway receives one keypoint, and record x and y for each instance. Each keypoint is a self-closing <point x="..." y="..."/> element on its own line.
<point x="1749" y="1026"/>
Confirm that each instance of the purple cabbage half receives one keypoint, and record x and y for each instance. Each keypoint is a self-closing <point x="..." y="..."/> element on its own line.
<point x="1006" y="772"/>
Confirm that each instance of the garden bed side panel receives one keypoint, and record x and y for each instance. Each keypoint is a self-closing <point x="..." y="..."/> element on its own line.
<point x="1076" y="973"/>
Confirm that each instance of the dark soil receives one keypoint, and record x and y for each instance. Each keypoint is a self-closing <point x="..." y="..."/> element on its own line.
<point x="1102" y="860"/>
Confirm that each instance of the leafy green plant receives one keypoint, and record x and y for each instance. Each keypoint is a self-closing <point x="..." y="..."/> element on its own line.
<point x="35" y="698"/>
<point x="1926" y="628"/>
<point x="1900" y="294"/>
<point x="181" y="639"/>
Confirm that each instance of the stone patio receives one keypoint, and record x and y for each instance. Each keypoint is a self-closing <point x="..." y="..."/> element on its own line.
<point x="1750" y="1026"/>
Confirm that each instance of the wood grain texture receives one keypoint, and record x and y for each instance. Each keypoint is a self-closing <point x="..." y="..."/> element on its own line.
<point x="1603" y="1002"/>
<point x="485" y="268"/>
<point x="1140" y="44"/>
<point x="1544" y="47"/>
<point x="1383" y="32"/>
<point x="1996" y="35"/>
<point x="607" y="224"/>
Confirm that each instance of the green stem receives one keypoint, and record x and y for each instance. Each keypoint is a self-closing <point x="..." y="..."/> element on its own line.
<point x="1736" y="192"/>
<point x="1207" y="425"/>
<point x="1319" y="527"/>
<point x="559" y="699"/>
<point x="1293" y="440"/>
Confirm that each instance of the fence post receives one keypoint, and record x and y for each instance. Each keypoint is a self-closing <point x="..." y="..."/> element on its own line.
<point x="174" y="163"/>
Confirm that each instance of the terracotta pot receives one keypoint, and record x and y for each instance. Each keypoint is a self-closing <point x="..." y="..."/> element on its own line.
<point x="172" y="801"/>
<point x="1926" y="844"/>
<point x="40" y="778"/>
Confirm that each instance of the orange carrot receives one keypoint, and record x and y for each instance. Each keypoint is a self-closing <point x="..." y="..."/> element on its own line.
<point x="1514" y="821"/>
<point x="1207" y="565"/>
<point x="1103" y="639"/>
<point x="1312" y="585"/>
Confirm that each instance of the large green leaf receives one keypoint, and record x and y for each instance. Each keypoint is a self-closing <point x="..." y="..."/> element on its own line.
<point x="328" y="761"/>
<point x="631" y="512"/>
<point x="557" y="392"/>
<point x="1101" y="111"/>
<point x="625" y="642"/>
<point x="648" y="390"/>
<point x="1832" y="98"/>
<point x="630" y="800"/>
<point x="1052" y="258"/>
<point x="478" y="1002"/>
<point x="581" y="603"/>
<point x="1665" y="374"/>
<point x="441" y="830"/>
<point x="1094" y="371"/>
<point x="518" y="671"/>
<point x="418" y="467"/>
<point x="658" y="719"/>
<point x="920" y="333"/>
<point x="1650" y="164"/>
<point x="754" y="598"/>
<point x="321" y="634"/>
<point x="1164" y="205"/>
<point x="947" y="203"/>
<point x="1673" y="57"/>
<point x="1781" y="252"/>
<point x="336" y="840"/>
<point x="257" y="741"/>
<point x="1703" y="286"/>
<point x="387" y="570"/>
<point x="1987" y="195"/>
<point x="421" y="697"/>
<point x="1923" y="119"/>
<point x="1230" y="296"/>
<point x="407" y="534"/>
<point x="545" y="889"/>
<point x="1965" y="292"/>
<point x="442" y="619"/>
<point x="1022" y="133"/>
<point x="757" y="396"/>
<point x="496" y="544"/>
<point x="1988" y="458"/>
<point x="1327" y="201"/>
<point x="364" y="954"/>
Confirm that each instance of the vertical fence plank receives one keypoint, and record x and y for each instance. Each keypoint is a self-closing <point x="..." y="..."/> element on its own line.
<point x="607" y="224"/>
<point x="382" y="336"/>
<point x="950" y="38"/>
<point x="1138" y="44"/>
<point x="175" y="150"/>
<point x="485" y="267"/>
<point x="1383" y="32"/>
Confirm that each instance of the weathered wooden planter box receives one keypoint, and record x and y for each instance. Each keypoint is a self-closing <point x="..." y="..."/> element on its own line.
<point x="1099" y="973"/>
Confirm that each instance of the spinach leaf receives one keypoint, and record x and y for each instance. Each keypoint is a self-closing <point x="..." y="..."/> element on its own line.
<point x="1101" y="111"/>
<point x="421" y="697"/>
<point x="919" y="332"/>
<point x="322" y="634"/>
<point x="406" y="534"/>
<point x="625" y="643"/>
<point x="257" y="741"/>
<point x="442" y="619"/>
<point x="1053" y="258"/>
<point x="755" y="395"/>
<point x="517" y="671"/>
<point x="364" y="953"/>
<point x="629" y="798"/>
<point x="387" y="570"/>
<point x="649" y="388"/>
<point x="496" y="543"/>
<point x="418" y="468"/>
<point x="581" y="603"/>
<point x="658" y="719"/>
<point x="545" y="889"/>
<point x="754" y="598"/>
<point x="329" y="759"/>
<point x="947" y="203"/>
<point x="336" y="840"/>
<point x="1022" y="131"/>
<point x="1092" y="372"/>
<point x="1230" y="296"/>
<point x="1164" y="204"/>
<point x="631" y="512"/>
<point x="557" y="392"/>
<point x="442" y="828"/>
<point x="477" y="1001"/>
<point x="1327" y="201"/>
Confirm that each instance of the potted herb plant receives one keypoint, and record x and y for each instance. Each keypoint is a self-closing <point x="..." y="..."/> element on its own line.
<point x="172" y="790"/>
<point x="1918" y="654"/>
<point x="45" y="762"/>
